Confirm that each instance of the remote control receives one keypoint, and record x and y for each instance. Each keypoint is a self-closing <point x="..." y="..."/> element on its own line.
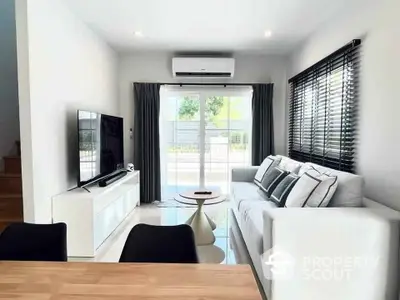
<point x="203" y="193"/>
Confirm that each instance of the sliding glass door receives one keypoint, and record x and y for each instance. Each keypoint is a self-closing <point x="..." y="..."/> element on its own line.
<point x="204" y="133"/>
<point x="179" y="141"/>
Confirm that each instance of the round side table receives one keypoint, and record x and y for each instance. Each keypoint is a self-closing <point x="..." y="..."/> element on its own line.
<point x="201" y="224"/>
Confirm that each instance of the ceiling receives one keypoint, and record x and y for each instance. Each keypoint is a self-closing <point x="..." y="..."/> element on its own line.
<point x="207" y="25"/>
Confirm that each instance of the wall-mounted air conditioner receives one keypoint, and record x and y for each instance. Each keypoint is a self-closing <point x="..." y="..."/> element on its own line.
<point x="203" y="67"/>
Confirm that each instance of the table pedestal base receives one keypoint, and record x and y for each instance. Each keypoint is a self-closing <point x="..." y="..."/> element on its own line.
<point x="202" y="226"/>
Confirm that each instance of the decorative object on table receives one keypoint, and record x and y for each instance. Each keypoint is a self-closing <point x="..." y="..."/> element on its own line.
<point x="130" y="167"/>
<point x="201" y="224"/>
<point x="160" y="244"/>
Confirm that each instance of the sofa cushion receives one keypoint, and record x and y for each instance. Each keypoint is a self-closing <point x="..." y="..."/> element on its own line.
<point x="302" y="191"/>
<point x="322" y="195"/>
<point x="268" y="163"/>
<point x="313" y="189"/>
<point x="288" y="164"/>
<point x="349" y="192"/>
<point x="281" y="192"/>
<point x="245" y="191"/>
<point x="305" y="168"/>
<point x="271" y="179"/>
<point x="252" y="224"/>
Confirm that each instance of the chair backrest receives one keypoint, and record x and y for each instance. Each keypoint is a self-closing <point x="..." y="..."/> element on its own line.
<point x="160" y="244"/>
<point x="34" y="242"/>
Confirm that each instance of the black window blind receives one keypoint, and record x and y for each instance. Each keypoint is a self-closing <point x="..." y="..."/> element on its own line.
<point x="323" y="110"/>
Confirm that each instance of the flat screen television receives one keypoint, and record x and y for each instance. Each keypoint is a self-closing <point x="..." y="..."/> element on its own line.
<point x="101" y="146"/>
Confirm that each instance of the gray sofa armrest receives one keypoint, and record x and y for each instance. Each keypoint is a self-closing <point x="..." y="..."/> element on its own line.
<point x="244" y="174"/>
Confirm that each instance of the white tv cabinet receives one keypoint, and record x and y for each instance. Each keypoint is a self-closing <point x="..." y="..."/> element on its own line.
<point x="92" y="217"/>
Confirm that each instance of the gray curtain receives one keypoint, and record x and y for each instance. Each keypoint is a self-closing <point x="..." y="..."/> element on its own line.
<point x="147" y="140"/>
<point x="263" y="122"/>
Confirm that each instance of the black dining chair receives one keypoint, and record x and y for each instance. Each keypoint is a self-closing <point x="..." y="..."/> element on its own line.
<point x="160" y="244"/>
<point x="34" y="242"/>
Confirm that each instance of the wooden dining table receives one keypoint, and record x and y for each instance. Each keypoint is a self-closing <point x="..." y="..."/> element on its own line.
<point x="92" y="280"/>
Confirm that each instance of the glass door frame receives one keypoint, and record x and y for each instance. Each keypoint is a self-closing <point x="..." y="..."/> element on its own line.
<point x="203" y="93"/>
<point x="202" y="139"/>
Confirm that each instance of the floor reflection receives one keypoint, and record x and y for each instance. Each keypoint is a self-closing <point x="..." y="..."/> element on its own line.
<point x="227" y="249"/>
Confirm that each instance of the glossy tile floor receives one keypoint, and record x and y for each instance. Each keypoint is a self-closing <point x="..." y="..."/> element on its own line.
<point x="225" y="250"/>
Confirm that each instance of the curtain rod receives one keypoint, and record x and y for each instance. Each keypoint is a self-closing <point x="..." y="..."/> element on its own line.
<point x="209" y="84"/>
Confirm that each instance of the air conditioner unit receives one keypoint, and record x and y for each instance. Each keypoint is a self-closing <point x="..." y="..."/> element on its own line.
<point x="203" y="67"/>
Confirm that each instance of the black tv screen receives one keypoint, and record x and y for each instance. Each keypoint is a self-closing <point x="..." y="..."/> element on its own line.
<point x="101" y="146"/>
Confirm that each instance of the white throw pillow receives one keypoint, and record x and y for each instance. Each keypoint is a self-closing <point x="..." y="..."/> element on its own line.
<point x="305" y="168"/>
<point x="270" y="161"/>
<point x="289" y="165"/>
<point x="313" y="189"/>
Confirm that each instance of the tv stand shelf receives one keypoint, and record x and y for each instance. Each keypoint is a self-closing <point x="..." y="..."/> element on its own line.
<point x="92" y="217"/>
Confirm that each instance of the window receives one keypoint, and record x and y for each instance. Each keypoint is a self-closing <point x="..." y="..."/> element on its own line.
<point x="323" y="110"/>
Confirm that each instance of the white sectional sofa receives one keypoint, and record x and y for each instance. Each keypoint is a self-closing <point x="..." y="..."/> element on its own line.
<point x="345" y="230"/>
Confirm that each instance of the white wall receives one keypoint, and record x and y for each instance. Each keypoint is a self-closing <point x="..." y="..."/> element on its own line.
<point x="156" y="67"/>
<point x="64" y="67"/>
<point x="379" y="26"/>
<point x="9" y="117"/>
